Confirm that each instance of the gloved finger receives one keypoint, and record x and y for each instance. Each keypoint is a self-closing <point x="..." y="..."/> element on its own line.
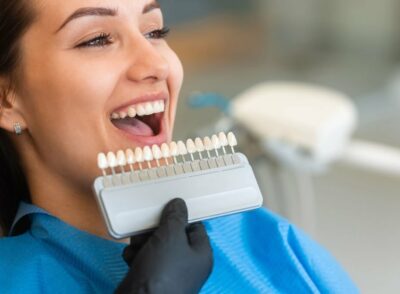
<point x="198" y="238"/>
<point x="173" y="223"/>
<point x="175" y="213"/>
<point x="135" y="246"/>
<point x="139" y="240"/>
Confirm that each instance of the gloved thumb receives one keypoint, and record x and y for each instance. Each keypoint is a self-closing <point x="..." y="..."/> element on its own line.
<point x="175" y="213"/>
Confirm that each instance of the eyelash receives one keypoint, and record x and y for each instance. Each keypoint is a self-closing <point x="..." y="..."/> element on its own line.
<point x="104" y="39"/>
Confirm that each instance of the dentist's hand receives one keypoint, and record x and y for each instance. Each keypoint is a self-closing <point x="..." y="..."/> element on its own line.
<point x="176" y="258"/>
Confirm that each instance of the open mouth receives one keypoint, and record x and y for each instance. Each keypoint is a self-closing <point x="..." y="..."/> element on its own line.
<point x="143" y="119"/>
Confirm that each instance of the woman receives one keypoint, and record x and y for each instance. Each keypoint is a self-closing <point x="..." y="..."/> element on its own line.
<point x="66" y="68"/>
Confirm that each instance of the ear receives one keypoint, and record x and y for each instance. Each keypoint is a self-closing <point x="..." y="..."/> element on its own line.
<point x="10" y="107"/>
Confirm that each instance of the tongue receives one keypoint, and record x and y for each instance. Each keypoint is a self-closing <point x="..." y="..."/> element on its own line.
<point x="134" y="127"/>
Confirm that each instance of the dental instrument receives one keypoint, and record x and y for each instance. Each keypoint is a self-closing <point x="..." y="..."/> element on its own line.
<point x="215" y="185"/>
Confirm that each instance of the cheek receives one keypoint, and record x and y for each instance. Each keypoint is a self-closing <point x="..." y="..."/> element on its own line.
<point x="175" y="81"/>
<point x="64" y="104"/>
<point x="69" y="89"/>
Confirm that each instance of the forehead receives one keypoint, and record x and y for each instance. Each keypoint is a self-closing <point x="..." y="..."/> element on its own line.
<point x="51" y="11"/>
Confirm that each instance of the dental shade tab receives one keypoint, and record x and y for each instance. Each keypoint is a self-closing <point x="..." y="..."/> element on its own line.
<point x="208" y="174"/>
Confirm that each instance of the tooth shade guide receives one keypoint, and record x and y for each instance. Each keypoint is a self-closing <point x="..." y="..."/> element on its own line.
<point x="121" y="159"/>
<point x="223" y="140"/>
<point x="232" y="141"/>
<point x="182" y="151"/>
<point x="191" y="148"/>
<point x="166" y="153"/>
<point x="102" y="163"/>
<point x="208" y="146"/>
<point x="157" y="155"/>
<point x="133" y="160"/>
<point x="112" y="162"/>
<point x="199" y="146"/>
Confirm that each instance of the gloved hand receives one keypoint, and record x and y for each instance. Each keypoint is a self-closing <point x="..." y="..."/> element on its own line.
<point x="175" y="258"/>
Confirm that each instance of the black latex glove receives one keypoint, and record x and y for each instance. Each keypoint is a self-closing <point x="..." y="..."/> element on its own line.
<point x="176" y="258"/>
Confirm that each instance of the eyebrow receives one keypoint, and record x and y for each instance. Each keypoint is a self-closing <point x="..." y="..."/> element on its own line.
<point x="102" y="11"/>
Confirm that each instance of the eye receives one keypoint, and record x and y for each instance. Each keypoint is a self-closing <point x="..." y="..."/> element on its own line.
<point x="100" y="40"/>
<point x="158" y="34"/>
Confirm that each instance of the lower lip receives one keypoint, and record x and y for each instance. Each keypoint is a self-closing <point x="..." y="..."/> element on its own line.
<point x="141" y="141"/>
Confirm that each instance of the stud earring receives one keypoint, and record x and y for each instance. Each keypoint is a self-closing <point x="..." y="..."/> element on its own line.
<point x="17" y="128"/>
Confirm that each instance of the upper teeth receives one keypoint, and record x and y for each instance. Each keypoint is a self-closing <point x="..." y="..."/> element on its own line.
<point x="140" y="110"/>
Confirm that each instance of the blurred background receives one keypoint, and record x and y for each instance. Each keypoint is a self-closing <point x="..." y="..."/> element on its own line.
<point x="350" y="45"/>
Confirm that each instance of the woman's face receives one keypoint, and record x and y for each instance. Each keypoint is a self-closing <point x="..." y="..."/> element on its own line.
<point x="86" y="64"/>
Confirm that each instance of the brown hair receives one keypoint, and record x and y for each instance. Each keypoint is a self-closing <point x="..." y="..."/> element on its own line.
<point x="15" y="18"/>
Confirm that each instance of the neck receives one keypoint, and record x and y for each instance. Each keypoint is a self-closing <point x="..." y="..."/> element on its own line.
<point x="79" y="210"/>
<point x="65" y="198"/>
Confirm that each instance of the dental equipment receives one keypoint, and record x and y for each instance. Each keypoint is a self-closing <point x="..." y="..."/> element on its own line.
<point x="302" y="125"/>
<point x="212" y="180"/>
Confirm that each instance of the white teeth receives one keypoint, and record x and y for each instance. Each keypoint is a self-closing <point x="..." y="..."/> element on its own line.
<point x="149" y="108"/>
<point x="162" y="105"/>
<point x="102" y="161"/>
<point x="131" y="112"/>
<point x="158" y="106"/>
<point x="141" y="109"/>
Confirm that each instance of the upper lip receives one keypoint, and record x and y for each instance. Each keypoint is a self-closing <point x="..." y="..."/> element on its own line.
<point x="150" y="97"/>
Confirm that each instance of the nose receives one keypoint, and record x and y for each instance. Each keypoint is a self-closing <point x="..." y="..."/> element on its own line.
<point x="146" y="61"/>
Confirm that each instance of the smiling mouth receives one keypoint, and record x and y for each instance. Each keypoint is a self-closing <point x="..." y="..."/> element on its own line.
<point x="143" y="119"/>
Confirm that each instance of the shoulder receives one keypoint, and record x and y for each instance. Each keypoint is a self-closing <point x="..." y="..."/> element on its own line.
<point x="31" y="265"/>
<point x="19" y="260"/>
<point x="15" y="251"/>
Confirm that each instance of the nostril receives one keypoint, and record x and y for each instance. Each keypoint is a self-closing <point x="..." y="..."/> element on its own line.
<point x="149" y="64"/>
